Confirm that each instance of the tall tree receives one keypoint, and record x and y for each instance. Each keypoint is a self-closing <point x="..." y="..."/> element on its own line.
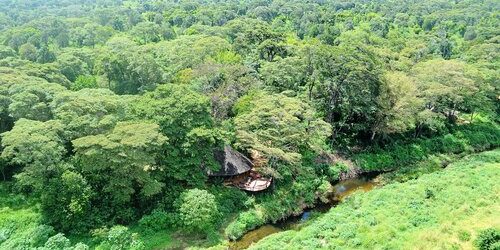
<point x="184" y="117"/>
<point x="279" y="128"/>
<point x="399" y="105"/>
<point x="119" y="165"/>
<point x="36" y="146"/>
<point x="446" y="85"/>
<point x="346" y="86"/>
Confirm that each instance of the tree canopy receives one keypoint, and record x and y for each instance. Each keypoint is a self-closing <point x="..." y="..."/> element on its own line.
<point x="112" y="112"/>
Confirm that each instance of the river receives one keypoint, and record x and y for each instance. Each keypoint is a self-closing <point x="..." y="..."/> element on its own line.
<point x="341" y="190"/>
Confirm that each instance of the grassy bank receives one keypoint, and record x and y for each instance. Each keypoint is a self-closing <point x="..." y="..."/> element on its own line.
<point x="445" y="209"/>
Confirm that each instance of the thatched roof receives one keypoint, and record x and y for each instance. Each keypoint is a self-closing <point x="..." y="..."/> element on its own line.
<point x="232" y="163"/>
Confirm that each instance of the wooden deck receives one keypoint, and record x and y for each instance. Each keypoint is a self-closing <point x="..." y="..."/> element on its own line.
<point x="251" y="181"/>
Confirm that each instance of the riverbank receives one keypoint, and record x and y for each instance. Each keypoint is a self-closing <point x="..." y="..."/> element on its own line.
<point x="341" y="191"/>
<point x="409" y="159"/>
<point x="447" y="208"/>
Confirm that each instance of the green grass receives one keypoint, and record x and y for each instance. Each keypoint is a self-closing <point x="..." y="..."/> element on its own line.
<point x="156" y="240"/>
<point x="441" y="210"/>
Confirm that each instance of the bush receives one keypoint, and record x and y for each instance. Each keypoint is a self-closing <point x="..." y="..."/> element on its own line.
<point x="198" y="210"/>
<point x="245" y="222"/>
<point x="58" y="241"/>
<point x="120" y="238"/>
<point x="229" y="200"/>
<point x="488" y="239"/>
<point x="466" y="138"/>
<point x="324" y="191"/>
<point x="463" y="235"/>
<point x="158" y="220"/>
<point x="334" y="171"/>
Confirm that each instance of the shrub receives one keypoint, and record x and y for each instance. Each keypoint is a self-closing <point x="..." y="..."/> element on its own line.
<point x="229" y="200"/>
<point x="488" y="239"/>
<point x="80" y="246"/>
<point x="39" y="235"/>
<point x="58" y="241"/>
<point x="120" y="238"/>
<point x="245" y="222"/>
<point x="198" y="210"/>
<point x="464" y="235"/>
<point x="334" y="171"/>
<point x="325" y="190"/>
<point x="466" y="138"/>
<point x="84" y="82"/>
<point x="158" y="220"/>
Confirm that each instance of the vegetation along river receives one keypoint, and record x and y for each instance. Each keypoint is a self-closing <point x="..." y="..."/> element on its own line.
<point x="341" y="190"/>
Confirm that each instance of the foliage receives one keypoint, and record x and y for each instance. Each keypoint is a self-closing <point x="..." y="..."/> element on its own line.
<point x="38" y="147"/>
<point x="488" y="239"/>
<point x="84" y="82"/>
<point x="470" y="138"/>
<point x="198" y="210"/>
<point x="184" y="117"/>
<point x="88" y="111"/>
<point x="120" y="238"/>
<point x="158" y="221"/>
<point x="110" y="110"/>
<point x="128" y="156"/>
<point x="279" y="128"/>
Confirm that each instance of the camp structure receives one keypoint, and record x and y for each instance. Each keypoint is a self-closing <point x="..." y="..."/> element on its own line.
<point x="239" y="171"/>
<point x="232" y="163"/>
<point x="250" y="181"/>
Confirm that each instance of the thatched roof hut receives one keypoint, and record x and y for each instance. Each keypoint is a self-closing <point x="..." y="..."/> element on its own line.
<point x="232" y="163"/>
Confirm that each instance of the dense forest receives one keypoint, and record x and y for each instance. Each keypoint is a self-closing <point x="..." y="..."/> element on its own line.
<point x="114" y="114"/>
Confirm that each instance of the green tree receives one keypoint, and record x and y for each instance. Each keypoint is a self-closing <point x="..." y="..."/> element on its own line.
<point x="38" y="147"/>
<point x="398" y="103"/>
<point x="45" y="55"/>
<point x="88" y="111"/>
<point x="184" y="117"/>
<point x="198" y="210"/>
<point x="120" y="238"/>
<point x="345" y="86"/>
<point x="285" y="74"/>
<point x="33" y="101"/>
<point x="84" y="82"/>
<point x="28" y="51"/>
<point x="71" y="66"/>
<point x="128" y="69"/>
<point x="57" y="242"/>
<point x="278" y="127"/>
<point x="66" y="201"/>
<point x="146" y="32"/>
<point x="446" y="85"/>
<point x="119" y="165"/>
<point x="6" y="51"/>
